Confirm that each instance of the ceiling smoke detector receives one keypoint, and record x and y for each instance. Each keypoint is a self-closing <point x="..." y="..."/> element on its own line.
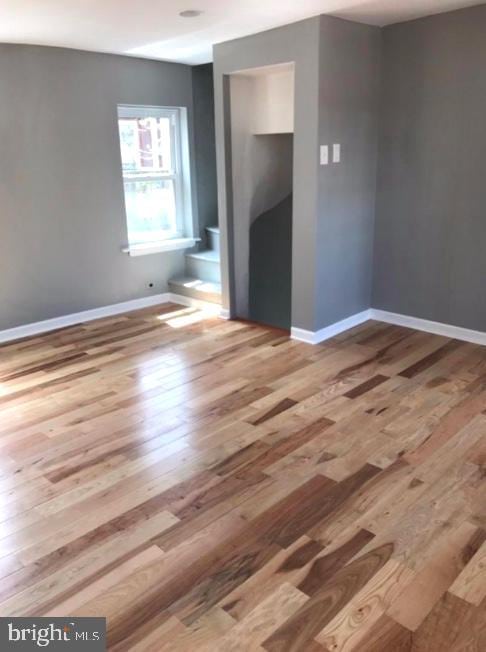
<point x="190" y="13"/>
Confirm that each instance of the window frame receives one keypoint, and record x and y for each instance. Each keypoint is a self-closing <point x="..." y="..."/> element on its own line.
<point x="180" y="176"/>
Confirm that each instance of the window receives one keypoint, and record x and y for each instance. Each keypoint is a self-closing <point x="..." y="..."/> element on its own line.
<point x="152" y="163"/>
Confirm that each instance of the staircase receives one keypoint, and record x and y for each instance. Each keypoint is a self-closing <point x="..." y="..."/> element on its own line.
<point x="202" y="278"/>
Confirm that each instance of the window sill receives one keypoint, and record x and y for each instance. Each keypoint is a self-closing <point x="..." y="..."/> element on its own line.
<point x="160" y="247"/>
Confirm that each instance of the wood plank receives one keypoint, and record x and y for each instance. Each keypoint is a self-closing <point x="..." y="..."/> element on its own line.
<point x="429" y="585"/>
<point x="332" y="596"/>
<point x="348" y="628"/>
<point x="470" y="585"/>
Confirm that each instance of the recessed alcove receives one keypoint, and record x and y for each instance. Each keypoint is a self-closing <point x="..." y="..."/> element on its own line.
<point x="262" y="125"/>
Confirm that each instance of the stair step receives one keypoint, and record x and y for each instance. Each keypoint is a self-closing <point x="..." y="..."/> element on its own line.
<point x="213" y="237"/>
<point x="207" y="254"/>
<point x="196" y="288"/>
<point x="204" y="265"/>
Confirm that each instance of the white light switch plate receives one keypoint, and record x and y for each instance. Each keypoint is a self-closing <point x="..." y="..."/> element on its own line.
<point x="324" y="154"/>
<point x="336" y="153"/>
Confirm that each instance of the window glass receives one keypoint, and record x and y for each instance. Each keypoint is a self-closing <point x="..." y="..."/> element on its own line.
<point x="152" y="177"/>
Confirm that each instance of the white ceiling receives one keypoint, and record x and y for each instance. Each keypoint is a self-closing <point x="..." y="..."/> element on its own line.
<point x="155" y="30"/>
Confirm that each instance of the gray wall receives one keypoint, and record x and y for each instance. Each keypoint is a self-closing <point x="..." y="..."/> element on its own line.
<point x="62" y="219"/>
<point x="205" y="146"/>
<point x="337" y="74"/>
<point x="271" y="266"/>
<point x="349" y="86"/>
<point x="430" y="244"/>
<point x="298" y="42"/>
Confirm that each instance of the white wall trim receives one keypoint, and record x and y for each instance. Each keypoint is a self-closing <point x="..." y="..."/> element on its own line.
<point x="315" y="337"/>
<point x="159" y="247"/>
<point x="37" y="328"/>
<point x="310" y="337"/>
<point x="437" y="328"/>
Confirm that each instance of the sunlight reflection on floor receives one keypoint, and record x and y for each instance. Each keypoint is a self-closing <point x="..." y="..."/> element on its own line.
<point x="187" y="316"/>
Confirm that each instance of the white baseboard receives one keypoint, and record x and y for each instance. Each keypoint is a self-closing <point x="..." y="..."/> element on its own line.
<point x="310" y="337"/>
<point x="316" y="337"/>
<point x="446" y="330"/>
<point x="37" y="328"/>
<point x="437" y="328"/>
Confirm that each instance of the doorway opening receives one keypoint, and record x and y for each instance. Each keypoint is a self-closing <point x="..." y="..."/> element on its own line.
<point x="262" y="126"/>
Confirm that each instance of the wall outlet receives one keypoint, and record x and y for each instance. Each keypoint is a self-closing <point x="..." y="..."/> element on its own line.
<point x="324" y="156"/>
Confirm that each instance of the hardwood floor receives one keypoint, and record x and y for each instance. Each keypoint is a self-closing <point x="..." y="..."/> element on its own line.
<point x="212" y="485"/>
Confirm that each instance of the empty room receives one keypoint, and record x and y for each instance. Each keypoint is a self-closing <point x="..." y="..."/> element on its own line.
<point x="243" y="326"/>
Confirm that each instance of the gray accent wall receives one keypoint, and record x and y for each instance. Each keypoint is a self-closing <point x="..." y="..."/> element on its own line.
<point x="349" y="91"/>
<point x="62" y="218"/>
<point x="409" y="239"/>
<point x="337" y="76"/>
<point x="205" y="147"/>
<point x="299" y="43"/>
<point x="430" y="238"/>
<point x="271" y="266"/>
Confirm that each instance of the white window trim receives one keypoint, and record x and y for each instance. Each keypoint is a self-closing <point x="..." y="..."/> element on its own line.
<point x="171" y="244"/>
<point x="180" y="143"/>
